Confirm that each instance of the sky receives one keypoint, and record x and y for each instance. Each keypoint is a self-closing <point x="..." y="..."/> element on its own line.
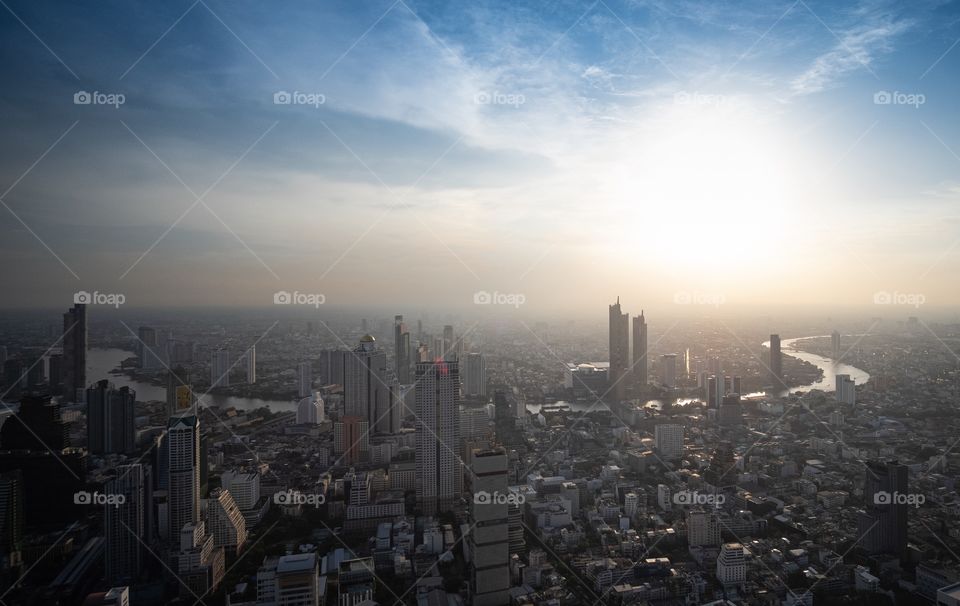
<point x="671" y="152"/>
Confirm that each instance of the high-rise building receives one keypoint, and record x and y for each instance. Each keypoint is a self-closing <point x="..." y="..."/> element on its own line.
<point x="401" y="350"/>
<point x="619" y="351"/>
<point x="640" y="361"/>
<point x="148" y="348"/>
<point x="332" y="363"/>
<point x="220" y="369"/>
<point x="731" y="564"/>
<point x="225" y="521"/>
<point x="369" y="390"/>
<point x="75" y="352"/>
<point x="776" y="362"/>
<point x="351" y="439"/>
<point x="736" y="385"/>
<point x="703" y="528"/>
<point x="183" y="469"/>
<point x="111" y="414"/>
<point x="125" y="524"/>
<point x="835" y="344"/>
<point x="883" y="522"/>
<point x="251" y="358"/>
<point x="475" y="375"/>
<point x="668" y="440"/>
<point x="11" y="516"/>
<point x="439" y="474"/>
<point x="448" y="352"/>
<point x="488" y="541"/>
<point x="243" y="487"/>
<point x="200" y="563"/>
<point x="296" y="580"/>
<point x="180" y="396"/>
<point x="668" y="370"/>
<point x="712" y="390"/>
<point x="846" y="390"/>
<point x="310" y="410"/>
<point x="304" y="379"/>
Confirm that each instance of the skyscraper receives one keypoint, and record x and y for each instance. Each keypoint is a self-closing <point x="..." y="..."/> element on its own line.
<point x="846" y="390"/>
<point x="75" y="352"/>
<point x="776" y="362"/>
<point x="251" y="357"/>
<point x="668" y="440"/>
<point x="367" y="389"/>
<point x="488" y="540"/>
<point x="448" y="343"/>
<point x="668" y="370"/>
<point x="220" y="369"/>
<point x="640" y="361"/>
<point x="883" y="522"/>
<point x="225" y="521"/>
<point x="110" y="419"/>
<point x="475" y="375"/>
<point x="304" y="379"/>
<point x="835" y="344"/>
<point x="401" y="350"/>
<point x="183" y="485"/>
<point x="125" y="525"/>
<point x="180" y="397"/>
<point x="149" y="351"/>
<point x="619" y="350"/>
<point x="439" y="475"/>
<point x="351" y="439"/>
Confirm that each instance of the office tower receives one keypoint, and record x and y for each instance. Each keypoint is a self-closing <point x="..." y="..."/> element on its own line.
<point x="183" y="469"/>
<point x="668" y="440"/>
<point x="712" y="390"/>
<point x="736" y="385"/>
<point x="332" y="364"/>
<point x="714" y="367"/>
<point x="251" y="357"/>
<point x="220" y="369"/>
<point x="54" y="371"/>
<point x="290" y="580"/>
<point x="488" y="541"/>
<point x="475" y="375"/>
<point x="730" y="411"/>
<point x="125" y="525"/>
<point x="846" y="390"/>
<point x="883" y="522"/>
<point x="367" y="389"/>
<point x="200" y="564"/>
<point x="439" y="474"/>
<point x="640" y="361"/>
<point x="111" y="414"/>
<point x="180" y="396"/>
<point x="310" y="410"/>
<point x="731" y="564"/>
<point x="835" y="345"/>
<point x="304" y="379"/>
<point x="776" y="362"/>
<point x="401" y="350"/>
<point x="447" y="351"/>
<point x="721" y="386"/>
<point x="75" y="352"/>
<point x="148" y="351"/>
<point x="668" y="370"/>
<point x="225" y="521"/>
<point x="619" y="350"/>
<point x="243" y="487"/>
<point x="11" y="516"/>
<point x="351" y="439"/>
<point x="703" y="528"/>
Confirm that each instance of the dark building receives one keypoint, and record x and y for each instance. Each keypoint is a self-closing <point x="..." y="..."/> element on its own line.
<point x="619" y="351"/>
<point x="640" y="361"/>
<point x="74" y="351"/>
<point x="776" y="362"/>
<point x="11" y="518"/>
<point x="110" y="419"/>
<point x="883" y="522"/>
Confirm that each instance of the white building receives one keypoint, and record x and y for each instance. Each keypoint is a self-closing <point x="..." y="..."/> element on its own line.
<point x="668" y="440"/>
<point x="243" y="487"/>
<point x="310" y="410"/>
<point x="225" y="521"/>
<point x="732" y="564"/>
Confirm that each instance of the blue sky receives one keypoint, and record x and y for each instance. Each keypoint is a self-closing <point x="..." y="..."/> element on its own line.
<point x="496" y="145"/>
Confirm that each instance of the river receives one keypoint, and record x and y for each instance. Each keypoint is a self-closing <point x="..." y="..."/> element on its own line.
<point x="101" y="361"/>
<point x="830" y="367"/>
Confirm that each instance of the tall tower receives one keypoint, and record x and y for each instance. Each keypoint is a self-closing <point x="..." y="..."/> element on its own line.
<point x="220" y="369"/>
<point x="75" y="352"/>
<point x="366" y="389"/>
<point x="124" y="525"/>
<point x="776" y="362"/>
<point x="835" y="344"/>
<point x="619" y="350"/>
<point x="304" y="379"/>
<point x="252" y="365"/>
<point x="883" y="523"/>
<point x="439" y="474"/>
<point x="668" y="370"/>
<point x="183" y="452"/>
<point x="401" y="350"/>
<point x="110" y="419"/>
<point x="475" y="375"/>
<point x="489" y="541"/>
<point x="640" y="360"/>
